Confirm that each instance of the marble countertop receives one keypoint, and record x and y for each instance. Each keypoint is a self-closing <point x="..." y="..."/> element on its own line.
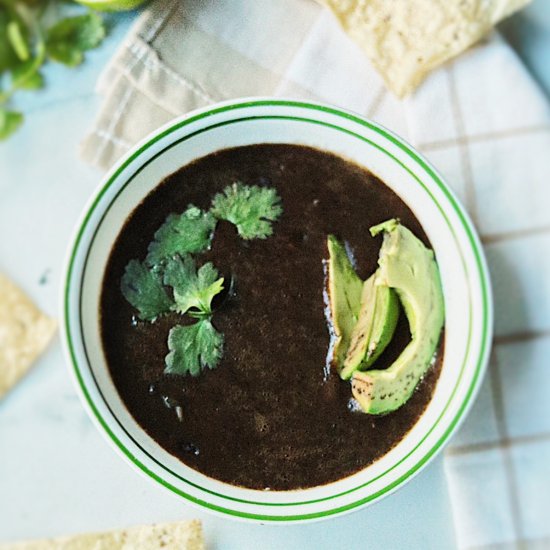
<point x="57" y="473"/>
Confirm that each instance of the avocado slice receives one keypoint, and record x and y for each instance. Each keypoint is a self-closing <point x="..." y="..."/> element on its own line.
<point x="344" y="298"/>
<point x="406" y="265"/>
<point x="374" y="330"/>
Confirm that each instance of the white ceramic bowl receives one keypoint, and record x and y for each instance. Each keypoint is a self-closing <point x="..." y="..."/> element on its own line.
<point x="242" y="122"/>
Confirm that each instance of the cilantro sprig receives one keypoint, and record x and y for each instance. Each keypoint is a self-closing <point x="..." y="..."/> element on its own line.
<point x="250" y="208"/>
<point x="31" y="33"/>
<point x="193" y="348"/>
<point x="187" y="233"/>
<point x="70" y="38"/>
<point x="143" y="288"/>
<point x="193" y="289"/>
<point x="170" y="264"/>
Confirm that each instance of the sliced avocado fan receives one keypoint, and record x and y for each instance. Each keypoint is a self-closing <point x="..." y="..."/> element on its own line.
<point x="344" y="297"/>
<point x="407" y="266"/>
<point x="375" y="327"/>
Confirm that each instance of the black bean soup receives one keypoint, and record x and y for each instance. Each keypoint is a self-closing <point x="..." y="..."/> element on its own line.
<point x="268" y="416"/>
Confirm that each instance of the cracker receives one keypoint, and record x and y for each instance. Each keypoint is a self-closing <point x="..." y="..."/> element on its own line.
<point x="406" y="39"/>
<point x="24" y="333"/>
<point x="183" y="535"/>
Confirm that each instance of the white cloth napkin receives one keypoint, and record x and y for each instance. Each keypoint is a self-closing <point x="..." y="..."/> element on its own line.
<point x="480" y="119"/>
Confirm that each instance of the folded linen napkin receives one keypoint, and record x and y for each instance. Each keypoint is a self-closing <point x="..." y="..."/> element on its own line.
<point x="484" y="124"/>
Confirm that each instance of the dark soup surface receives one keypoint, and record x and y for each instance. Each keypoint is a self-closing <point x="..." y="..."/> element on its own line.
<point x="270" y="415"/>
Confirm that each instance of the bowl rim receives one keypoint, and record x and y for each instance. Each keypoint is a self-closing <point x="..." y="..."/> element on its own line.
<point x="482" y="279"/>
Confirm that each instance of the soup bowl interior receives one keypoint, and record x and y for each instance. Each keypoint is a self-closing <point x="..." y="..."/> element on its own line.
<point x="237" y="123"/>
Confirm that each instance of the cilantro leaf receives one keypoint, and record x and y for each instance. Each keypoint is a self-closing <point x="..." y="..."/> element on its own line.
<point x="9" y="122"/>
<point x="28" y="38"/>
<point x="68" y="39"/>
<point x="18" y="40"/>
<point x="193" y="348"/>
<point x="187" y="233"/>
<point x="142" y="287"/>
<point x="192" y="289"/>
<point x="8" y="56"/>
<point x="25" y="79"/>
<point x="250" y="208"/>
<point x="26" y="75"/>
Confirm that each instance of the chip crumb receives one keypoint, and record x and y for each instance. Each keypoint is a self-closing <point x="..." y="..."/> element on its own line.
<point x="24" y="333"/>
<point x="406" y="39"/>
<point x="182" y="535"/>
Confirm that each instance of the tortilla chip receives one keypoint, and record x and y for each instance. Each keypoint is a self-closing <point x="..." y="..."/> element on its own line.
<point x="184" y="535"/>
<point x="406" y="39"/>
<point x="24" y="333"/>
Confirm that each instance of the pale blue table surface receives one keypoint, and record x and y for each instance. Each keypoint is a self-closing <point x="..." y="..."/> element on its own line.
<point x="57" y="474"/>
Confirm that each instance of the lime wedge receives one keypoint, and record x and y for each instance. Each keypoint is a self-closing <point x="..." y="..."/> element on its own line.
<point x="111" y="5"/>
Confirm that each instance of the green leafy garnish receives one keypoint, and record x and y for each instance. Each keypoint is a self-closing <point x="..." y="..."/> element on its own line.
<point x="27" y="77"/>
<point x="193" y="348"/>
<point x="9" y="122"/>
<point x="31" y="33"/>
<point x="169" y="263"/>
<point x="8" y="57"/>
<point x="68" y="39"/>
<point x="250" y="208"/>
<point x="187" y="233"/>
<point x="143" y="288"/>
<point x="193" y="289"/>
<point x="17" y="39"/>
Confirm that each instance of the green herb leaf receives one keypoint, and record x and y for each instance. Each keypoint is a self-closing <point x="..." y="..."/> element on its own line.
<point x="192" y="289"/>
<point x="142" y="287"/>
<point x="9" y="122"/>
<point x="26" y="76"/>
<point x="18" y="41"/>
<point x="26" y="43"/>
<point x="250" y="208"/>
<point x="68" y="39"/>
<point x="33" y="81"/>
<point x="188" y="233"/>
<point x="193" y="348"/>
<point x="8" y="57"/>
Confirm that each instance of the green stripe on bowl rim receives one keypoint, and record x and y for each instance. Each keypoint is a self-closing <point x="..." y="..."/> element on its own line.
<point x="466" y="225"/>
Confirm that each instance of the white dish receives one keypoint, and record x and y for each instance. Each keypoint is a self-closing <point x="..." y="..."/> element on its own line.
<point x="241" y="122"/>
